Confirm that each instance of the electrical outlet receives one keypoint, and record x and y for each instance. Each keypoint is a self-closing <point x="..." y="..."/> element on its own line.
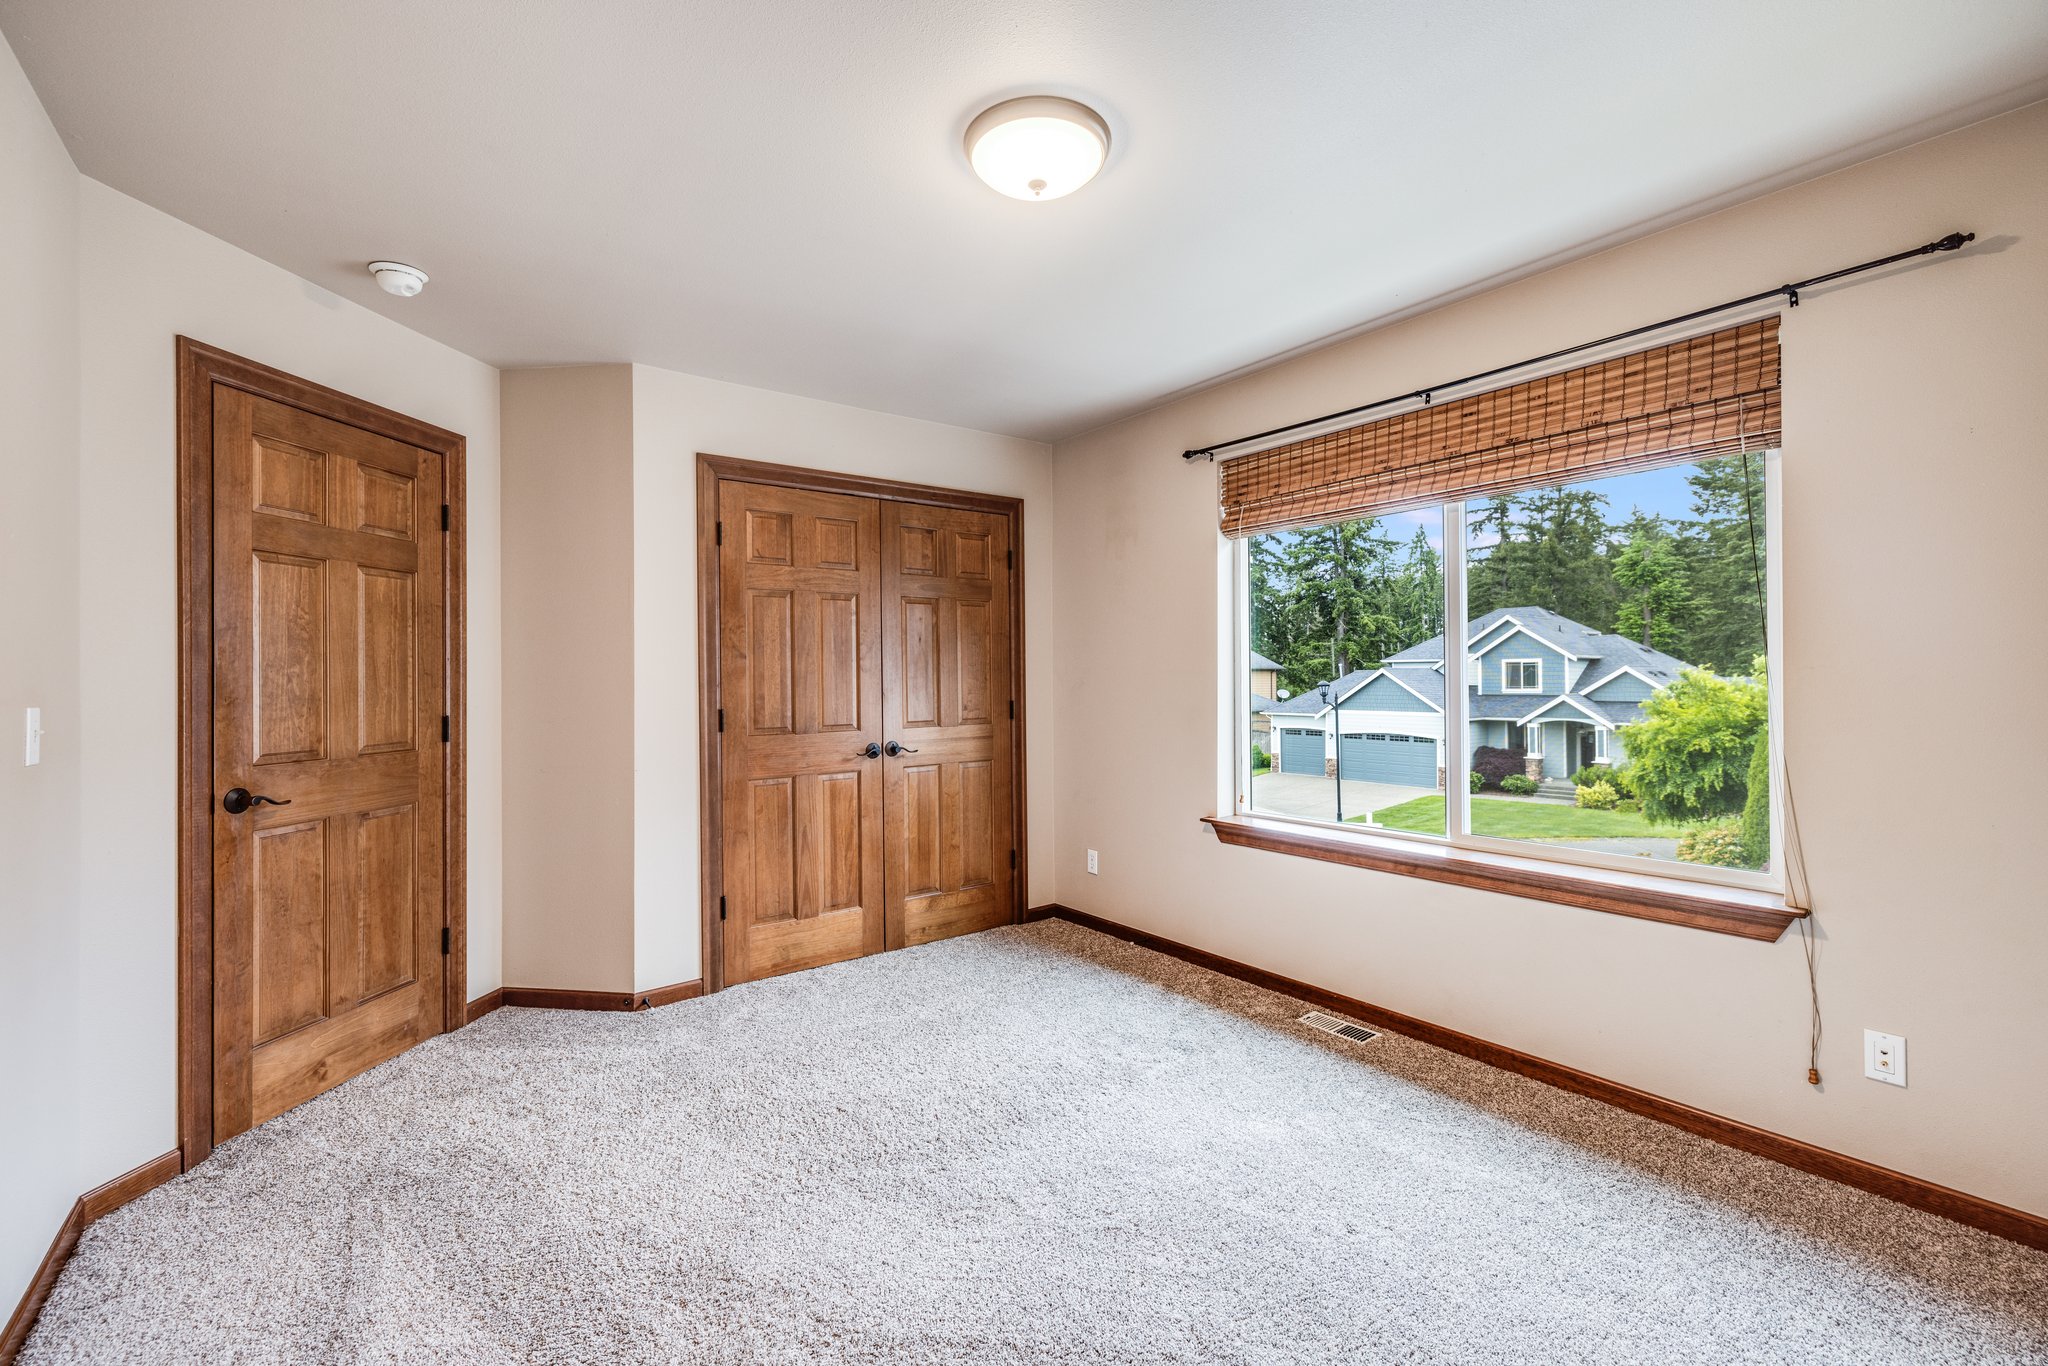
<point x="1884" y="1057"/>
<point x="1094" y="863"/>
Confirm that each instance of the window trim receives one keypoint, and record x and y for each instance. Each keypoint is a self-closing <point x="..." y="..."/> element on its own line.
<point x="1535" y="687"/>
<point x="1457" y="847"/>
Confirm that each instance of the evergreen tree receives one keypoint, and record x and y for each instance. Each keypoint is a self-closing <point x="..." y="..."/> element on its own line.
<point x="1724" y="550"/>
<point x="1490" y="525"/>
<point x="1657" y="606"/>
<point x="1756" y="806"/>
<point x="1559" y="560"/>
<point x="1418" y="595"/>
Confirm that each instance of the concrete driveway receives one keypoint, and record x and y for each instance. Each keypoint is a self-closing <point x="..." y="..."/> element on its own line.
<point x="1308" y="797"/>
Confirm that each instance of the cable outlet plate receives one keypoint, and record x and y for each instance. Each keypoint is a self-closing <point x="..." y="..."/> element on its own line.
<point x="1884" y="1057"/>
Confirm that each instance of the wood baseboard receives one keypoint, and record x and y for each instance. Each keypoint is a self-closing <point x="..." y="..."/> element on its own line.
<point x="96" y="1203"/>
<point x="2003" y="1220"/>
<point x="555" y="998"/>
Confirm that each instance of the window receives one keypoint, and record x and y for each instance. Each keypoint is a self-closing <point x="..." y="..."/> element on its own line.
<point x="1645" y="594"/>
<point x="1343" y="608"/>
<point x="1565" y="655"/>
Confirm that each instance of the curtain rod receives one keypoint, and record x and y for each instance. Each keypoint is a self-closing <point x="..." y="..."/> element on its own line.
<point x="1953" y="242"/>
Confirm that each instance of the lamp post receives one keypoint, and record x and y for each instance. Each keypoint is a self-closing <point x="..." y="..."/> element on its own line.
<point x="1337" y="729"/>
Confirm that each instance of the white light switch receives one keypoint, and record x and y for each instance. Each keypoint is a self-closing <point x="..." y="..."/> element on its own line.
<point x="32" y="752"/>
<point x="1884" y="1057"/>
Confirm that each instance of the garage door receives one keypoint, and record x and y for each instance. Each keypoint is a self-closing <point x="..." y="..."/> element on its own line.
<point x="1406" y="759"/>
<point x="1301" y="751"/>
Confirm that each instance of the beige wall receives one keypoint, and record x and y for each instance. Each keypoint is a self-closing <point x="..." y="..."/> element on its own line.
<point x="601" y="583"/>
<point x="40" y="814"/>
<point x="144" y="278"/>
<point x="101" y="285"/>
<point x="676" y="416"/>
<point x="1914" y="475"/>
<point x="568" y="437"/>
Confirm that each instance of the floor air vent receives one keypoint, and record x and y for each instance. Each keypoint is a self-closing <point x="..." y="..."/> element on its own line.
<point x="1343" y="1029"/>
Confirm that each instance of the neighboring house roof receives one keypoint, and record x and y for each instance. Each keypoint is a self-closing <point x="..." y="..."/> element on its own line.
<point x="1259" y="661"/>
<point x="1310" y="702"/>
<point x="1426" y="684"/>
<point x="1602" y="653"/>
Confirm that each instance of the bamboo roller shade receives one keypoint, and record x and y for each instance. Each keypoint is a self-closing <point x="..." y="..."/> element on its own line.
<point x="1691" y="400"/>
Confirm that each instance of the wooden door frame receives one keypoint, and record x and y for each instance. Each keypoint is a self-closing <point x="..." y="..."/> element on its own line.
<point x="200" y="369"/>
<point x="711" y="471"/>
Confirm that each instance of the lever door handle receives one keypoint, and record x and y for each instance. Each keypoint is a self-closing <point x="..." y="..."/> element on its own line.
<point x="892" y="749"/>
<point x="236" y="800"/>
<point x="873" y="751"/>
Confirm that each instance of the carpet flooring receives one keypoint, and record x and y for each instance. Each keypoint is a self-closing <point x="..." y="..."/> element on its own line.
<point x="1034" y="1145"/>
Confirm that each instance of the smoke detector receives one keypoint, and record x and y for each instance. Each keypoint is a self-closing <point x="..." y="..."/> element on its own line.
<point x="398" y="278"/>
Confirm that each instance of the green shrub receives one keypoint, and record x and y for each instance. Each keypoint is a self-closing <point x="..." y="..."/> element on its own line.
<point x="1688" y="758"/>
<point x="1599" y="796"/>
<point x="1756" y="811"/>
<point x="1718" y="845"/>
<point x="1602" y="773"/>
<point x="1521" y="784"/>
<point x="1478" y="781"/>
<point x="1261" y="761"/>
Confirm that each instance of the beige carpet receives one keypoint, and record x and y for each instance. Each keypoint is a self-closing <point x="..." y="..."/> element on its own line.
<point x="1033" y="1145"/>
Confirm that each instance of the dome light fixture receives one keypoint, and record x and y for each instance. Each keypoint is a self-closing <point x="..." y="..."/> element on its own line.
<point x="1037" y="146"/>
<point x="398" y="278"/>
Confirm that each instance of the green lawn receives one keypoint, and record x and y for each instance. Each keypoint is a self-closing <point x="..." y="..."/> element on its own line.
<point x="1523" y="820"/>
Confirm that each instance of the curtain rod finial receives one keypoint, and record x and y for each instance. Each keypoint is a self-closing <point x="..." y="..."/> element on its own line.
<point x="1954" y="241"/>
<point x="1197" y="455"/>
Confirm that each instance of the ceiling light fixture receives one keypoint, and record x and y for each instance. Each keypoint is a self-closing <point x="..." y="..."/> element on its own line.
<point x="398" y="278"/>
<point x="1037" y="147"/>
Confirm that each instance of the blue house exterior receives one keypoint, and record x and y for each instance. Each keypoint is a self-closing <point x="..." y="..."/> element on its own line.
<point x="1539" y="682"/>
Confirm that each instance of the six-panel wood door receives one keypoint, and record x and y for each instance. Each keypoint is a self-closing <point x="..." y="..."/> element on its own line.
<point x="328" y="698"/>
<point x="949" y="805"/>
<point x="865" y="725"/>
<point x="801" y="708"/>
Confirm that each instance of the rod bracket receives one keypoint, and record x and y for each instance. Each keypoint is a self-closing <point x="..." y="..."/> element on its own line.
<point x="1197" y="455"/>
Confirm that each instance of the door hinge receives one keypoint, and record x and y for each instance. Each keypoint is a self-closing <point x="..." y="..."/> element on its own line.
<point x="1013" y="709"/>
<point x="721" y="720"/>
<point x="444" y="516"/>
<point x="447" y="938"/>
<point x="1013" y="858"/>
<point x="721" y="908"/>
<point x="1009" y="559"/>
<point x="718" y="533"/>
<point x="444" y="730"/>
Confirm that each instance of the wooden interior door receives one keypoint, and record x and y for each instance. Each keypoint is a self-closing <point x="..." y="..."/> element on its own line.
<point x="950" y="799"/>
<point x="800" y="728"/>
<point x="329" y="701"/>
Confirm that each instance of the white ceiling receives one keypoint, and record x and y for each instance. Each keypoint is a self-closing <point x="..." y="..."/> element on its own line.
<point x="774" y="192"/>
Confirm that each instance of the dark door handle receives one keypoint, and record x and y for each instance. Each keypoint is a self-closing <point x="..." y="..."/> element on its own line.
<point x="873" y="751"/>
<point x="892" y="749"/>
<point x="236" y="800"/>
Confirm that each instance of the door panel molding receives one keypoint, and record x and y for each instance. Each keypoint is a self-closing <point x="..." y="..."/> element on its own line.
<point x="763" y="544"/>
<point x="301" y="487"/>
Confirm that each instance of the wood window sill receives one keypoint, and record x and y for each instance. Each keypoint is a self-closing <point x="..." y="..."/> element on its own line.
<point x="1724" y="910"/>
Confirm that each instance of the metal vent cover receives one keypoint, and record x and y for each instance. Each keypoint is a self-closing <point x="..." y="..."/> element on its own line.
<point x="1343" y="1029"/>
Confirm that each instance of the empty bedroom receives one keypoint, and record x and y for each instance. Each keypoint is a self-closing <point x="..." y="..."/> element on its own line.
<point x="986" y="683"/>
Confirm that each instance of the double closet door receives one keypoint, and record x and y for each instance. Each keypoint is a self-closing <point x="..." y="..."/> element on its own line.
<point x="866" y="726"/>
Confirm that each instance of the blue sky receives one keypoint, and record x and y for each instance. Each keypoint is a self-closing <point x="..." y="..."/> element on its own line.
<point x="1660" y="492"/>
